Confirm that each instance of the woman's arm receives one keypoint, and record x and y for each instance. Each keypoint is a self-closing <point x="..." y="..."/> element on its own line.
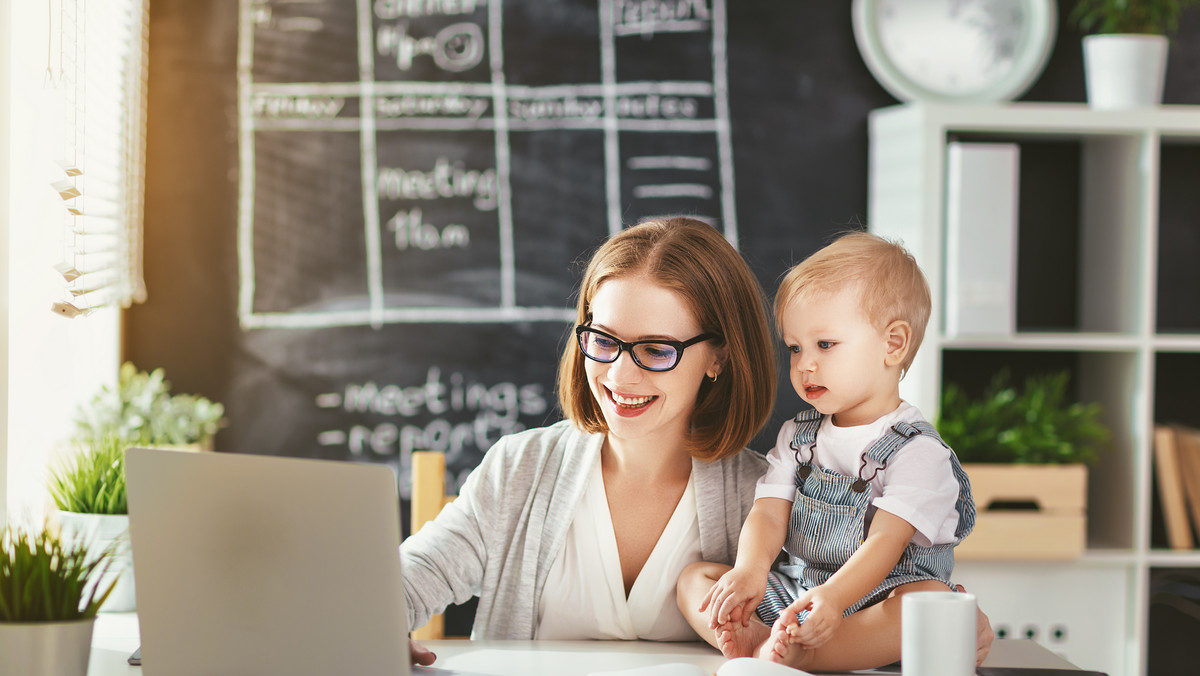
<point x="444" y="563"/>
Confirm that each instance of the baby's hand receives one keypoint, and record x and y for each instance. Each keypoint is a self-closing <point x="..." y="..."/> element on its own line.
<point x="737" y="588"/>
<point x="824" y="617"/>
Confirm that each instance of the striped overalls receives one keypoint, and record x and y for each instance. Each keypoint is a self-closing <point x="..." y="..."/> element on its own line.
<point x="830" y="519"/>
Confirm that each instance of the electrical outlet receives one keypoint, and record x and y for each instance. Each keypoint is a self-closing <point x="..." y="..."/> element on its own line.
<point x="1074" y="613"/>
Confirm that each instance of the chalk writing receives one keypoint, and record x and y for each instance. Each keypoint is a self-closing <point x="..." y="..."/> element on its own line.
<point x="455" y="48"/>
<point x="566" y="107"/>
<point x="437" y="397"/>
<point x="446" y="179"/>
<point x="647" y="17"/>
<point x="665" y="107"/>
<point x="285" y="106"/>
<point x="394" y="9"/>
<point x="411" y="231"/>
<point x="452" y="105"/>
<point x="492" y="411"/>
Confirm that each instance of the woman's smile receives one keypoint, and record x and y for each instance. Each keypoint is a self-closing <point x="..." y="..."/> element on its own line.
<point x="629" y="401"/>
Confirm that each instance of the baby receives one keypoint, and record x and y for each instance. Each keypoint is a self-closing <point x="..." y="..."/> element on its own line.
<point x="861" y="493"/>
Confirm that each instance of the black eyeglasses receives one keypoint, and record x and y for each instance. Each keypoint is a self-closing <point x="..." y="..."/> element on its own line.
<point x="652" y="355"/>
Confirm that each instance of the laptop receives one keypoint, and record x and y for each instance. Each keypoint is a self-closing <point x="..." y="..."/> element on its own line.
<point x="263" y="565"/>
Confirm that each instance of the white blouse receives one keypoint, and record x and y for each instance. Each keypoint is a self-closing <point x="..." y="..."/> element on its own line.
<point x="584" y="596"/>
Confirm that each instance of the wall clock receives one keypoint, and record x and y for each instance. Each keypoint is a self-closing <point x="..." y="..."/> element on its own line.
<point x="970" y="51"/>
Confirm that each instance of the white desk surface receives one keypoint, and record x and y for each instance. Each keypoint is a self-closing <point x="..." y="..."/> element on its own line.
<point x="116" y="636"/>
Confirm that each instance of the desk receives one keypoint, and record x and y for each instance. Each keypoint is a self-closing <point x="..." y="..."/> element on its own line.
<point x="116" y="636"/>
<point x="579" y="658"/>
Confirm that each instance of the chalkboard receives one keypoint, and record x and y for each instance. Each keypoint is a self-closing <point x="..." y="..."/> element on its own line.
<point x="365" y="220"/>
<point x="415" y="181"/>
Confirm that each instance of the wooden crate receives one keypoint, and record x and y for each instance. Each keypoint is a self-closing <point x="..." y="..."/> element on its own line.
<point x="1055" y="530"/>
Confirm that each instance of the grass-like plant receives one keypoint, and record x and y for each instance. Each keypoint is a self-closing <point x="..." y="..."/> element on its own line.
<point x="93" y="481"/>
<point x="1035" y="424"/>
<point x="1145" y="17"/>
<point x="43" y="579"/>
<point x="143" y="411"/>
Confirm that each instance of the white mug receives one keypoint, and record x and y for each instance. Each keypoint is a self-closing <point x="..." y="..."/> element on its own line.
<point x="937" y="636"/>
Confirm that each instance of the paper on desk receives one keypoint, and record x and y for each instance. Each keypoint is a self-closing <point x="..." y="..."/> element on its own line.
<point x="739" y="666"/>
<point x="418" y="670"/>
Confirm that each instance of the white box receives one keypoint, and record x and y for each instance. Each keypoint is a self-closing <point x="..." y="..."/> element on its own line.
<point x="982" y="182"/>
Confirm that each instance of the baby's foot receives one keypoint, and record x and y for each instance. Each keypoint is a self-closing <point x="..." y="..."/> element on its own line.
<point x="738" y="640"/>
<point x="780" y="649"/>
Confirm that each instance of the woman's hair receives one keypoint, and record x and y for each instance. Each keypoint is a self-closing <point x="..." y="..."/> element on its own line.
<point x="889" y="283"/>
<point x="695" y="261"/>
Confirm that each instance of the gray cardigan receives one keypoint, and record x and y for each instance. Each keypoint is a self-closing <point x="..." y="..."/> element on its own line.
<point x="499" y="538"/>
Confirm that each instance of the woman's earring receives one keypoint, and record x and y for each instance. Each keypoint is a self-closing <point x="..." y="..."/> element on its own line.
<point x="713" y="377"/>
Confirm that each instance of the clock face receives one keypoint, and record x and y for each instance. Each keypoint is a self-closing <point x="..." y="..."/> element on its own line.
<point x="955" y="50"/>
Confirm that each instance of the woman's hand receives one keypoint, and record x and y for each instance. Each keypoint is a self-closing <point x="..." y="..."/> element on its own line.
<point x="419" y="654"/>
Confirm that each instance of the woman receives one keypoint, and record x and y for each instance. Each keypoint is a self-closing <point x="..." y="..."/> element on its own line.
<point x="580" y="529"/>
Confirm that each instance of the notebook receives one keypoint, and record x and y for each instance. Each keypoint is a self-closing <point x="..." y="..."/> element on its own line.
<point x="264" y="565"/>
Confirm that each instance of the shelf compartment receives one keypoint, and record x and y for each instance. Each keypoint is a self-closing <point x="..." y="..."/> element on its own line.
<point x="1103" y="377"/>
<point x="1178" y="239"/>
<point x="1174" y="620"/>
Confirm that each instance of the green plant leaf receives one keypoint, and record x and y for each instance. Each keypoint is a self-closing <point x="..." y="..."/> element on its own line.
<point x="1036" y="424"/>
<point x="43" y="579"/>
<point x="1147" y="17"/>
<point x="93" y="480"/>
<point x="143" y="411"/>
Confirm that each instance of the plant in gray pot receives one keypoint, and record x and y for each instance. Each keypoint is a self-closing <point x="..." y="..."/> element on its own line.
<point x="89" y="492"/>
<point x="1125" y="49"/>
<point x="49" y="596"/>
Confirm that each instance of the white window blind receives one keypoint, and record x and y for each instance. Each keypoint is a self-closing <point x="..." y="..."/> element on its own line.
<point x="96" y="66"/>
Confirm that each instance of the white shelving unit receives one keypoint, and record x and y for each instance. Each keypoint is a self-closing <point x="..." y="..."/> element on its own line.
<point x="1094" y="610"/>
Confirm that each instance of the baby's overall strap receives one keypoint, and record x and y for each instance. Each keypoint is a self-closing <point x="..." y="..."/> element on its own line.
<point x="903" y="432"/>
<point x="897" y="436"/>
<point x="807" y="423"/>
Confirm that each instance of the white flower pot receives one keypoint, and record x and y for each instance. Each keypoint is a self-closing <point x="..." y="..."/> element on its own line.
<point x="1124" y="71"/>
<point x="46" y="648"/>
<point x="100" y="531"/>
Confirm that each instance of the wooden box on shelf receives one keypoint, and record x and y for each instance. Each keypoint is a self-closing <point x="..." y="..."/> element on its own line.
<point x="1026" y="512"/>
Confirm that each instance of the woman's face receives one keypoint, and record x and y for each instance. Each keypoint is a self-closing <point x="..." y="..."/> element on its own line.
<point x="638" y="404"/>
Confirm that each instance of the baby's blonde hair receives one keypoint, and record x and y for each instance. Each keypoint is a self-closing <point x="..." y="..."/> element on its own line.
<point x="889" y="283"/>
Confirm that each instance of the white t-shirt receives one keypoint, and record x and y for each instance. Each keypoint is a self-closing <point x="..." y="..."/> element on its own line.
<point x="584" y="596"/>
<point x="918" y="484"/>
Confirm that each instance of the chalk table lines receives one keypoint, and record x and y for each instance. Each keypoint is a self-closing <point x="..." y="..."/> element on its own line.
<point x="370" y="106"/>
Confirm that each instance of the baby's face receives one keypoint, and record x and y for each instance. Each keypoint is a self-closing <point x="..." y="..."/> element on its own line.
<point x="838" y="358"/>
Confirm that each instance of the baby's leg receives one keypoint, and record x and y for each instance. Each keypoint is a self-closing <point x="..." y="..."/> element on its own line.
<point x="732" y="638"/>
<point x="868" y="639"/>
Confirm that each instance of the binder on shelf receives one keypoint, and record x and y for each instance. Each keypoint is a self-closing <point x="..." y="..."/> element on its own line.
<point x="1170" y="487"/>
<point x="982" y="185"/>
<point x="1187" y="443"/>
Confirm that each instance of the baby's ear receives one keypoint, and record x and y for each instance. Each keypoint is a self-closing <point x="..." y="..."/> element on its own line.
<point x="898" y="335"/>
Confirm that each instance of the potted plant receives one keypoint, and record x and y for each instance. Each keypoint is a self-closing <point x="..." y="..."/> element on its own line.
<point x="89" y="492"/>
<point x="1125" y="54"/>
<point x="50" y="591"/>
<point x="143" y="411"/>
<point x="1026" y="451"/>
